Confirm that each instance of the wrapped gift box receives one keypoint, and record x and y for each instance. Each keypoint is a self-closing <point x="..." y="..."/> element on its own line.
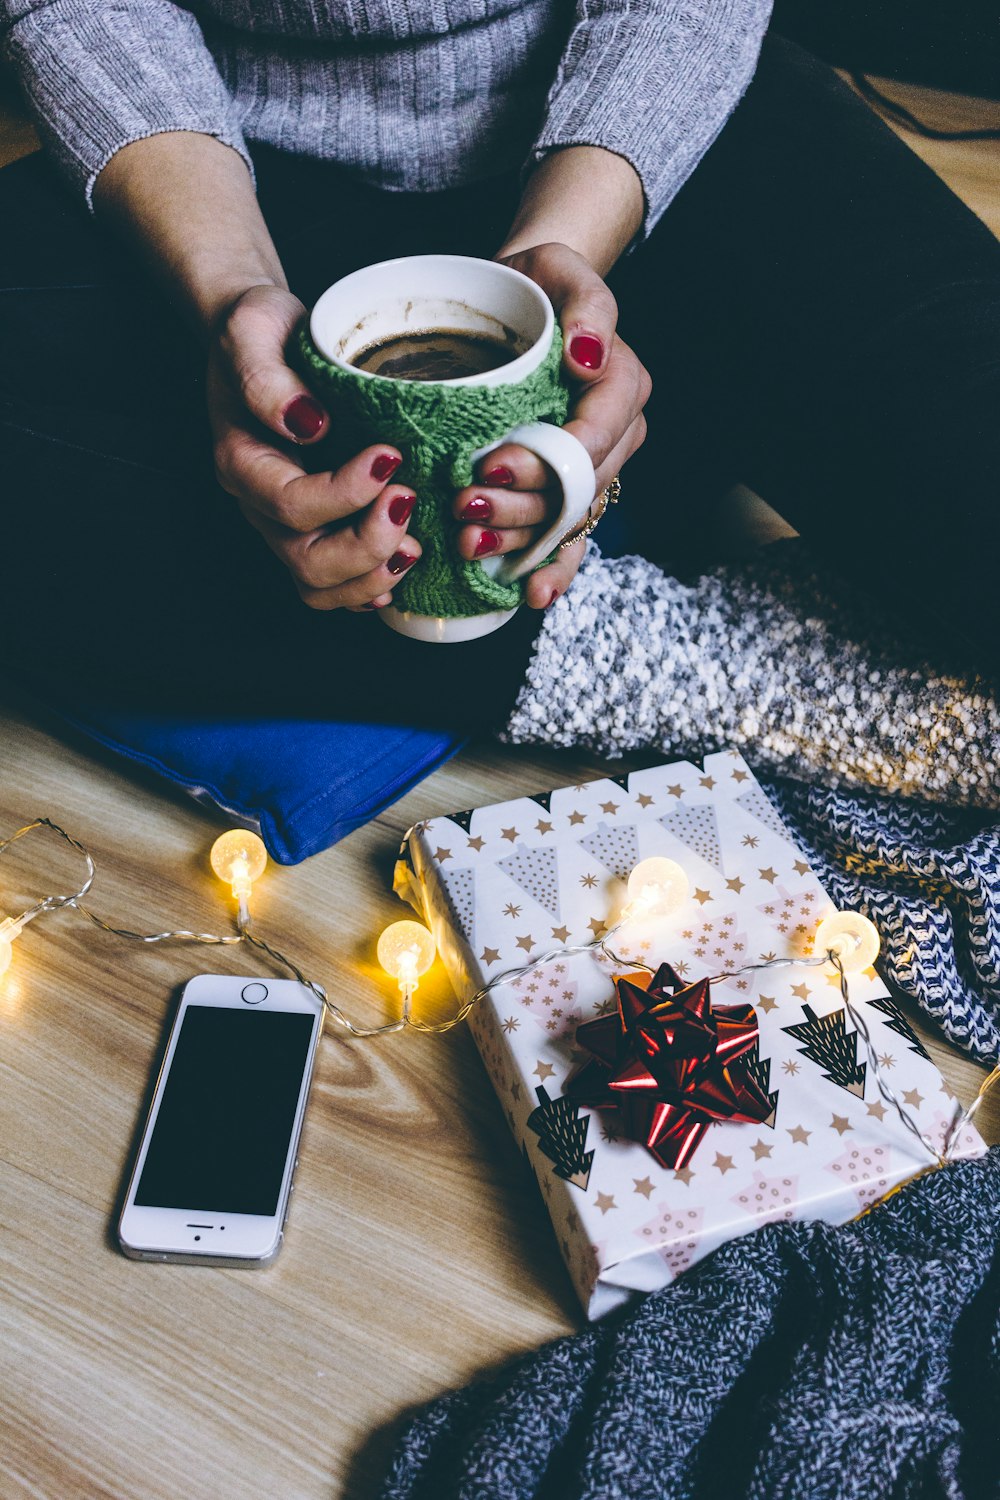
<point x="504" y="885"/>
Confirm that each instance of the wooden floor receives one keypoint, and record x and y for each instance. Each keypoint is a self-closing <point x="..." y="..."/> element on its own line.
<point x="418" y="1254"/>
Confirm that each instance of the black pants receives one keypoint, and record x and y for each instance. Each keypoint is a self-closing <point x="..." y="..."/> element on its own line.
<point x="820" y="315"/>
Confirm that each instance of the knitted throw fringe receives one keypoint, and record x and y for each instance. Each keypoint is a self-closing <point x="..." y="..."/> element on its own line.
<point x="437" y="428"/>
<point x="801" y="1362"/>
<point x="809" y="679"/>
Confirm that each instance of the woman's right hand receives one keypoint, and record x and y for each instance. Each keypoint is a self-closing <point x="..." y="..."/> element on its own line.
<point x="342" y="535"/>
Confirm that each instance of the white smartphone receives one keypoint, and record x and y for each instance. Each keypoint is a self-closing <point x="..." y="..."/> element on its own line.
<point x="213" y="1175"/>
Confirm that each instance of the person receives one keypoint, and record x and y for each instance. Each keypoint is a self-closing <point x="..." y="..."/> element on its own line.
<point x="819" y="315"/>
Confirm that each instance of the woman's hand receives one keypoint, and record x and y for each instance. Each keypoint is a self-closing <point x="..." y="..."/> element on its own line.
<point x="516" y="493"/>
<point x="342" y="535"/>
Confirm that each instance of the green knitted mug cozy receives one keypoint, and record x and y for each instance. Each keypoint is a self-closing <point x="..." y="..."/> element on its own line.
<point x="437" y="428"/>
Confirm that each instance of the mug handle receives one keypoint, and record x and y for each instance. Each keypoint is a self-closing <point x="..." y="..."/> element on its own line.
<point x="570" y="462"/>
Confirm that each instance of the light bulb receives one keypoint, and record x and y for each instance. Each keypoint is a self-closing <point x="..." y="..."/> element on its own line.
<point x="239" y="858"/>
<point x="10" y="928"/>
<point x="406" y="950"/>
<point x="657" y="887"/>
<point x="851" y="937"/>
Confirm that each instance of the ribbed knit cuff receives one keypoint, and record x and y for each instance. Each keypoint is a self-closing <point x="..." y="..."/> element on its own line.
<point x="653" y="82"/>
<point x="99" y="74"/>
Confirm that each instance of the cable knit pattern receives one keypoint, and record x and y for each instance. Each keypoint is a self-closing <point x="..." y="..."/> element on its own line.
<point x="802" y="1362"/>
<point x="776" y="657"/>
<point x="410" y="97"/>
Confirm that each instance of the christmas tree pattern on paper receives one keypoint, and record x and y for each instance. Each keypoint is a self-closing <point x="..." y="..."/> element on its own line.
<point x="562" y="1137"/>
<point x="616" y="848"/>
<point x="537" y="872"/>
<point x="757" y="805"/>
<point x="768" y="1199"/>
<point x="550" y="997"/>
<point x="760" y="1071"/>
<point x="794" y="915"/>
<point x="719" y="944"/>
<point x="459" y="888"/>
<point x="673" y="1232"/>
<point x="832" y="1047"/>
<point x="698" y="828"/>
<point x="898" y="1023"/>
<point x="464" y="819"/>
<point x="866" y="1168"/>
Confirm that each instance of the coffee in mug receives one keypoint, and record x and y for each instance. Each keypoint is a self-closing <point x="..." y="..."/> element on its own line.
<point x="436" y="354"/>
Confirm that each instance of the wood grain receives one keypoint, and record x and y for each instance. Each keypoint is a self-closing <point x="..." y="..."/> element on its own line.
<point x="418" y="1254"/>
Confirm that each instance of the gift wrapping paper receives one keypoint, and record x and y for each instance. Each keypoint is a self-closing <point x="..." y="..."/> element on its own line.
<point x="505" y="884"/>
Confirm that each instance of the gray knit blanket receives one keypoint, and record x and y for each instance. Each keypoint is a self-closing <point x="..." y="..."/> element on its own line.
<point x="802" y="1362"/>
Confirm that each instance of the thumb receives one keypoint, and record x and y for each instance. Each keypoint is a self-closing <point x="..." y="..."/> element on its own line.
<point x="254" y="338"/>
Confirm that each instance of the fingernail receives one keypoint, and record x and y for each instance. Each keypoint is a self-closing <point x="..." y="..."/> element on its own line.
<point x="499" y="476"/>
<point x="384" y="465"/>
<point x="373" y="605"/>
<point x="477" y="510"/>
<point x="303" y="417"/>
<point x="401" y="508"/>
<point x="587" y="351"/>
<point x="399" y="562"/>
<point x="552" y="598"/>
<point x="488" y="542"/>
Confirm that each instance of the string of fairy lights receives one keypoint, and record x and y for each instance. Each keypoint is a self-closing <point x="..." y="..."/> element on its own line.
<point x="656" y="887"/>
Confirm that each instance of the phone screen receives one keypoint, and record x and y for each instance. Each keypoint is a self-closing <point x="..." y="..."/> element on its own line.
<point x="227" y="1112"/>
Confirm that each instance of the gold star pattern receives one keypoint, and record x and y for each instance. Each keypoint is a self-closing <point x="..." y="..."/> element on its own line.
<point x="604" y="1201"/>
<point x="800" y="867"/>
<point x="801" y="991"/>
<point x="761" y="1148"/>
<point x="511" y="1024"/>
<point x="609" y="807"/>
<point x="840" y="1123"/>
<point x="739" y="775"/>
<point x="750" y="841"/>
<point x="543" y="827"/>
<point x="914" y="1097"/>
<point x="877" y="1110"/>
<point x="708" y="782"/>
<point x="736" y="884"/>
<point x="441" y="855"/>
<point x="799" y="1135"/>
<point x="477" y="843"/>
<point x="768" y="874"/>
<point x="510" y="910"/>
<point x="577" y="817"/>
<point x="887" y="1060"/>
<point x="543" y="1071"/>
<point x="675" y="791"/>
<point x="702" y="896"/>
<point x="644" y="800"/>
<point x="510" y="834"/>
<point x="723" y="1163"/>
<point x="767" y="1003"/>
<point x="684" y="1174"/>
<point x="643" y="1186"/>
<point x="561" y="934"/>
<point x="527" y="943"/>
<point x="588" y="881"/>
<point x="597" y="927"/>
<point x="489" y="955"/>
<point x="790" y="1067"/>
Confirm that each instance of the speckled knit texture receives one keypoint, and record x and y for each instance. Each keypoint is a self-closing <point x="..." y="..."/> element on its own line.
<point x="437" y="428"/>
<point x="777" y="657"/>
<point x="802" y="1362"/>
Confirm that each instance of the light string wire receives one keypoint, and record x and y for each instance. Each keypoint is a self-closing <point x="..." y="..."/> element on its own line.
<point x="245" y="934"/>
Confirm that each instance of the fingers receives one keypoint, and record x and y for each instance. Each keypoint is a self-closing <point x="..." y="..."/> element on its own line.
<point x="253" y="340"/>
<point x="586" y="309"/>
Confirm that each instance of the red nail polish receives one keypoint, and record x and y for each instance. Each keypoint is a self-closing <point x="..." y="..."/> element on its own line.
<point x="373" y="605"/>
<point x="587" y="351"/>
<point x="399" y="562"/>
<point x="488" y="542"/>
<point x="500" y="476"/>
<point x="384" y="465"/>
<point x="303" y="417"/>
<point x="478" y="509"/>
<point x="401" y="508"/>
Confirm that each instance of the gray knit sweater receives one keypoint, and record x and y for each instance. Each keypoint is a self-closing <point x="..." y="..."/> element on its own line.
<point x="409" y="96"/>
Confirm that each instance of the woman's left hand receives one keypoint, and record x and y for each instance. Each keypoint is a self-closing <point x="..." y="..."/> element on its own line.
<point x="515" y="492"/>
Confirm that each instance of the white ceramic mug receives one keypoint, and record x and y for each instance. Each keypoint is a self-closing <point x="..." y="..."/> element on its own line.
<point x="422" y="292"/>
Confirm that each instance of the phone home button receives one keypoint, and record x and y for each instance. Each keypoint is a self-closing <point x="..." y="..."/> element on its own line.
<point x="253" y="994"/>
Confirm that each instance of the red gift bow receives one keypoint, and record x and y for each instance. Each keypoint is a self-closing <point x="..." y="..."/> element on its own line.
<point x="670" y="1063"/>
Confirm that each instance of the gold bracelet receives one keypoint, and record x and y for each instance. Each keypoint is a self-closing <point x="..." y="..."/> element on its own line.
<point x="609" y="496"/>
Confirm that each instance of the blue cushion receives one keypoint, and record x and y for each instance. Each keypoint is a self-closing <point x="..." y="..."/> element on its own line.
<point x="301" y="785"/>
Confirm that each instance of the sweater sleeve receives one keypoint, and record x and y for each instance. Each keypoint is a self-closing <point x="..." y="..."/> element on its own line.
<point x="653" y="81"/>
<point x="98" y="74"/>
